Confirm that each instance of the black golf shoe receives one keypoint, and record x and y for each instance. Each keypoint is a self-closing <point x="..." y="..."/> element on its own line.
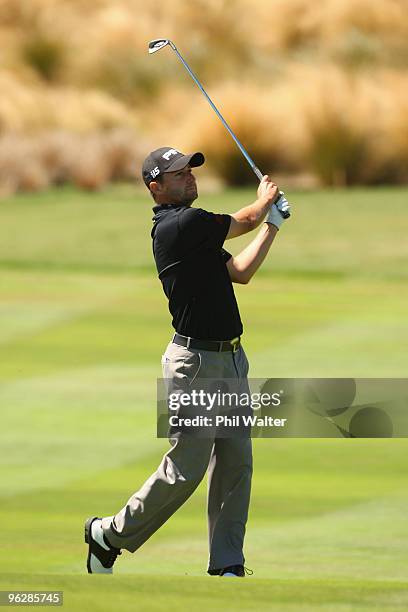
<point x="101" y="555"/>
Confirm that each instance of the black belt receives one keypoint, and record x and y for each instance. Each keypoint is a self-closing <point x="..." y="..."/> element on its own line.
<point x="208" y="345"/>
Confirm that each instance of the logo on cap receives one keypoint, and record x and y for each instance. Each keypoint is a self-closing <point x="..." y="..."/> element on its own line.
<point x="169" y="153"/>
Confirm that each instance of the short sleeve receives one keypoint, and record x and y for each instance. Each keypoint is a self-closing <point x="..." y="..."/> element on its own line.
<point x="225" y="255"/>
<point x="200" y="226"/>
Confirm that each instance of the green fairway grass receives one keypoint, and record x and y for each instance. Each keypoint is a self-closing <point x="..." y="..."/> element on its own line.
<point x="83" y="325"/>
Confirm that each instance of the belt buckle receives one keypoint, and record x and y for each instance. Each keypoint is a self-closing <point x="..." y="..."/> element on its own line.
<point x="235" y="344"/>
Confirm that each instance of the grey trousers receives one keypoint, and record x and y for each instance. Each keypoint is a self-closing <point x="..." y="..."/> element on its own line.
<point x="229" y="464"/>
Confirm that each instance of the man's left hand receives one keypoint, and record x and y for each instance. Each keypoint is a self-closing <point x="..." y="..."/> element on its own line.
<point x="275" y="216"/>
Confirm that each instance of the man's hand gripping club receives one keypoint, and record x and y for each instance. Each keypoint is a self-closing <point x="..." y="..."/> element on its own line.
<point x="280" y="208"/>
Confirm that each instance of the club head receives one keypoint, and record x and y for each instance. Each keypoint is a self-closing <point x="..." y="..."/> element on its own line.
<point x="157" y="44"/>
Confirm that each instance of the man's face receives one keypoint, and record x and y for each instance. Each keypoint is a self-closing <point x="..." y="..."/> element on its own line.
<point x="178" y="188"/>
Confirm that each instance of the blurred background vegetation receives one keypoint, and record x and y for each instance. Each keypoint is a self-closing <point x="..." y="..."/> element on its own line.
<point x="315" y="91"/>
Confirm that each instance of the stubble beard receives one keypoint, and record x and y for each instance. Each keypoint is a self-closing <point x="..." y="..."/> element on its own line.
<point x="188" y="200"/>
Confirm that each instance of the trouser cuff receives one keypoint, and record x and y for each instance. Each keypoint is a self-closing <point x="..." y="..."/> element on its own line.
<point x="110" y="533"/>
<point x="216" y="569"/>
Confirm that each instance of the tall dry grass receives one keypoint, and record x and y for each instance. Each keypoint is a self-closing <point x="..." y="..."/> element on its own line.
<point x="307" y="86"/>
<point x="255" y="118"/>
<point x="27" y="107"/>
<point x="392" y="147"/>
<point x="45" y="54"/>
<point x="336" y="127"/>
<point x="337" y="134"/>
<point x="55" y="158"/>
<point x="350" y="129"/>
<point x="320" y="28"/>
<point x="20" y="167"/>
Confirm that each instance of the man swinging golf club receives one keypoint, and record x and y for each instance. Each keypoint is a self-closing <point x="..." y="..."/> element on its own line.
<point x="197" y="275"/>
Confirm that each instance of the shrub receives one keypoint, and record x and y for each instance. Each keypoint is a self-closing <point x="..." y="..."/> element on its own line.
<point x="125" y="154"/>
<point x="57" y="151"/>
<point x="254" y="115"/>
<point x="27" y="107"/>
<point x="126" y="76"/>
<point x="356" y="49"/>
<point x="20" y="167"/>
<point x="90" y="170"/>
<point x="338" y="131"/>
<point x="89" y="161"/>
<point x="338" y="150"/>
<point x="392" y="146"/>
<point x="106" y="157"/>
<point x="286" y="26"/>
<point x="45" y="54"/>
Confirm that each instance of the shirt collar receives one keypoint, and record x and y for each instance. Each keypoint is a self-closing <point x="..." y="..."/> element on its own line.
<point x="160" y="207"/>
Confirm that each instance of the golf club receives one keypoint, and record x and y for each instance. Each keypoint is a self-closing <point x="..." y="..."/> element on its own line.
<point x="159" y="43"/>
<point x="344" y="432"/>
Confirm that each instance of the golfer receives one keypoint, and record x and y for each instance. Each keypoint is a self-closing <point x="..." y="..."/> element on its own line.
<point x="197" y="275"/>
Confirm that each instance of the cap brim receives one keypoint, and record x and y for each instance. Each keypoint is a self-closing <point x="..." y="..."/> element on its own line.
<point x="193" y="159"/>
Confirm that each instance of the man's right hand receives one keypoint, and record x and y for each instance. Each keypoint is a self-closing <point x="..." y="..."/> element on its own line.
<point x="248" y="218"/>
<point x="267" y="189"/>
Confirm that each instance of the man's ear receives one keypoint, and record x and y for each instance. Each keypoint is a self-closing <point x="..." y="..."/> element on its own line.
<point x="155" y="187"/>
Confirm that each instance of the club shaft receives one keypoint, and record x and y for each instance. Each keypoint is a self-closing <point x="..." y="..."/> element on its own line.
<point x="255" y="169"/>
<point x="344" y="432"/>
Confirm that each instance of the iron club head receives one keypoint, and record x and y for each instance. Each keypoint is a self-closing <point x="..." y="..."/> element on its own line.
<point x="157" y="44"/>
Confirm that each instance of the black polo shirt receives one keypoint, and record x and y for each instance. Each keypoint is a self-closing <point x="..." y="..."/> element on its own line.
<point x="190" y="260"/>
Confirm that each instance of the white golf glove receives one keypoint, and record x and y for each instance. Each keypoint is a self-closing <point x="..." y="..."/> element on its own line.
<point x="275" y="216"/>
